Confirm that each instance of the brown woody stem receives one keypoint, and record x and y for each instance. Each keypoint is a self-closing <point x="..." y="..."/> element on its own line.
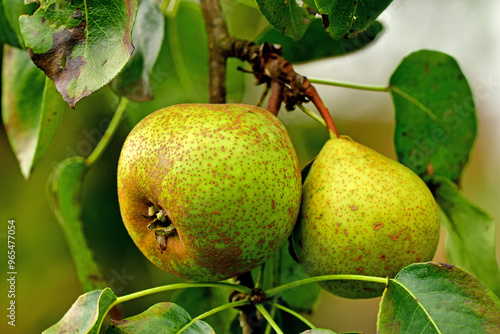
<point x="313" y="95"/>
<point x="217" y="33"/>
<point x="276" y="97"/>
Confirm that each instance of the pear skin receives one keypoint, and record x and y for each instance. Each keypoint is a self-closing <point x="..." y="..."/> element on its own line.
<point x="209" y="191"/>
<point x="364" y="214"/>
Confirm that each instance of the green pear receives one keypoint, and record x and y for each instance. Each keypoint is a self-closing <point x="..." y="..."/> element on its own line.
<point x="209" y="191"/>
<point x="364" y="214"/>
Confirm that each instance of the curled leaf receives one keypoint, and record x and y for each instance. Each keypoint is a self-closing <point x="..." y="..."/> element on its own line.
<point x="86" y="314"/>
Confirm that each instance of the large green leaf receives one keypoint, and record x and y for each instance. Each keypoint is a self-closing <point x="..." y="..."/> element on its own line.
<point x="82" y="45"/>
<point x="288" y="17"/>
<point x="133" y="81"/>
<point x="161" y="318"/>
<point x="200" y="300"/>
<point x="435" y="115"/>
<point x="347" y="18"/>
<point x="31" y="108"/>
<point x="471" y="234"/>
<point x="317" y="44"/>
<point x="86" y="314"/>
<point x="65" y="184"/>
<point x="438" y="298"/>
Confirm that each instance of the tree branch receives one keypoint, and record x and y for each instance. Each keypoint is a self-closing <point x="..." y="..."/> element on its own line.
<point x="217" y="34"/>
<point x="271" y="68"/>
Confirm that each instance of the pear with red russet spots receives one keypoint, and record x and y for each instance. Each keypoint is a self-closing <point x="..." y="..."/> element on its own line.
<point x="362" y="214"/>
<point x="209" y="191"/>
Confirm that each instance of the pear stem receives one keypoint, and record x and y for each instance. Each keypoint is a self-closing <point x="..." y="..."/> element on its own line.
<point x="110" y="131"/>
<point x="311" y="114"/>
<point x="274" y="291"/>
<point x="313" y="95"/>
<point x="269" y="318"/>
<point x="350" y="85"/>
<point x="295" y="314"/>
<point x="176" y="286"/>
<point x="213" y="311"/>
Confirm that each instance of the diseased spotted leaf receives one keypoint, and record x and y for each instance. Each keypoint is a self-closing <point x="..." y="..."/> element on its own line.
<point x="79" y="46"/>
<point x="435" y="115"/>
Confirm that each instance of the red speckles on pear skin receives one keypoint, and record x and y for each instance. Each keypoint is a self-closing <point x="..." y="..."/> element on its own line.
<point x="365" y="214"/>
<point x="228" y="178"/>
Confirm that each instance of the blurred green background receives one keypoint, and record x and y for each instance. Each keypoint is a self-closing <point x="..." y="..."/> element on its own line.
<point x="47" y="284"/>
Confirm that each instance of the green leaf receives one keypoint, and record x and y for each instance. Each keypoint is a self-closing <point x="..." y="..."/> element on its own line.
<point x="161" y="318"/>
<point x="200" y="300"/>
<point x="317" y="44"/>
<point x="65" y="184"/>
<point x="471" y="234"/>
<point x="7" y="34"/>
<point x="84" y="45"/>
<point x="346" y="19"/>
<point x="318" y="331"/>
<point x="86" y="314"/>
<point x="287" y="17"/>
<point x="134" y="81"/>
<point x="438" y="298"/>
<point x="12" y="9"/>
<point x="31" y="106"/>
<point x="435" y="115"/>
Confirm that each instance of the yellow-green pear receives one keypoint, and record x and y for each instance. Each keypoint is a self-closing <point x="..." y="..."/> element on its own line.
<point x="364" y="214"/>
<point x="209" y="191"/>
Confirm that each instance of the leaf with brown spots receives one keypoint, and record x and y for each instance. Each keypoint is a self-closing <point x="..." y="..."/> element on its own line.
<point x="86" y="314"/>
<point x="438" y="298"/>
<point x="435" y="115"/>
<point x="31" y="109"/>
<point x="82" y="45"/>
